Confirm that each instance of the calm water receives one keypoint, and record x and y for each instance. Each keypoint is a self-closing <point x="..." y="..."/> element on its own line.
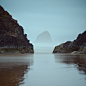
<point x="43" y="69"/>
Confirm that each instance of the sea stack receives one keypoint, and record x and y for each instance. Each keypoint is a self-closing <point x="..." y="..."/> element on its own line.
<point x="44" y="38"/>
<point x="12" y="37"/>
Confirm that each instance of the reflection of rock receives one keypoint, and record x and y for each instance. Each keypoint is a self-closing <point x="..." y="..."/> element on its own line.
<point x="12" y="35"/>
<point x="79" y="61"/>
<point x="13" y="76"/>
<point x="12" y="71"/>
<point x="78" y="45"/>
<point x="44" y="38"/>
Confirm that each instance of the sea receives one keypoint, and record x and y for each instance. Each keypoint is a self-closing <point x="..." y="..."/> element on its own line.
<point x="43" y="68"/>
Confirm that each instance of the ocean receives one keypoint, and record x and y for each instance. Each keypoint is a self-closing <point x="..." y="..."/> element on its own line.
<point x="43" y="68"/>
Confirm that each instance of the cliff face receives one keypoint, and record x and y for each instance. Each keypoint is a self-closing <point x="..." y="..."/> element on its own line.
<point x="78" y="45"/>
<point x="44" y="38"/>
<point x="11" y="33"/>
<point x="81" y="39"/>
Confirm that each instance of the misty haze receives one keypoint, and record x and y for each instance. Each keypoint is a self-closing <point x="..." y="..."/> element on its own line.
<point x="42" y="42"/>
<point x="44" y="38"/>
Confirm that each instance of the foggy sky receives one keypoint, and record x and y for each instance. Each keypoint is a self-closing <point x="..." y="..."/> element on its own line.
<point x="63" y="19"/>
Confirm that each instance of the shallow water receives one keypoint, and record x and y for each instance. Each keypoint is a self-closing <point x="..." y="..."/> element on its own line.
<point x="43" y="69"/>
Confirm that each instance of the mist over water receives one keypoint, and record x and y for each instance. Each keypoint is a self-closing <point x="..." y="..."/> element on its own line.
<point x="44" y="48"/>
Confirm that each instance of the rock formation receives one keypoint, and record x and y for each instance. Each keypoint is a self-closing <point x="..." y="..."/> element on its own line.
<point x="78" y="45"/>
<point x="44" y="38"/>
<point x="12" y="35"/>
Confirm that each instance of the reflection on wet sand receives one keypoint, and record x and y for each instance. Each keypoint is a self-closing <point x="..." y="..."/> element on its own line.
<point x="13" y="69"/>
<point x="79" y="61"/>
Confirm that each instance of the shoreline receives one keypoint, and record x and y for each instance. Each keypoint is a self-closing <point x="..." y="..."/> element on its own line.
<point x="22" y="50"/>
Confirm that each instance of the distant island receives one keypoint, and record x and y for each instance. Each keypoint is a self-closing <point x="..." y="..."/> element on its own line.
<point x="77" y="46"/>
<point x="12" y="37"/>
<point x="44" y="38"/>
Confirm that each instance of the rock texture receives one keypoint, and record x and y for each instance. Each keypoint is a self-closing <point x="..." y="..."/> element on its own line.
<point x="44" y="38"/>
<point x="77" y="46"/>
<point x="12" y="35"/>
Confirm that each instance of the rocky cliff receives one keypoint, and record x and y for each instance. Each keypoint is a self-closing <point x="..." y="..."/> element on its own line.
<point x="44" y="38"/>
<point x="12" y="35"/>
<point x="77" y="46"/>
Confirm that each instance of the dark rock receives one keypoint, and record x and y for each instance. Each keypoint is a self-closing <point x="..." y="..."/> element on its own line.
<point x="66" y="44"/>
<point x="78" y="45"/>
<point x="11" y="33"/>
<point x="81" y="39"/>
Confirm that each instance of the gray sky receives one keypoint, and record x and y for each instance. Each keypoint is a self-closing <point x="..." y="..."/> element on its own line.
<point x="64" y="19"/>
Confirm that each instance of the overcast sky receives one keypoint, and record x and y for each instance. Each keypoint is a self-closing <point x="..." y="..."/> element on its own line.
<point x="63" y="19"/>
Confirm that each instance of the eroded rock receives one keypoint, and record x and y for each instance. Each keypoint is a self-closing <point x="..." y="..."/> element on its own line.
<point x="78" y="45"/>
<point x="12" y="34"/>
